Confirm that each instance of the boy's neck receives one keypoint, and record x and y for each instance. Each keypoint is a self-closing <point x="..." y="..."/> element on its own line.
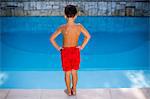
<point x="70" y="21"/>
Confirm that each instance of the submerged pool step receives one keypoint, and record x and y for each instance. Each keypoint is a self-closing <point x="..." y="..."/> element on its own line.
<point x="87" y="79"/>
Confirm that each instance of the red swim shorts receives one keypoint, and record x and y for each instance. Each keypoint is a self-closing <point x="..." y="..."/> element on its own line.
<point x="70" y="58"/>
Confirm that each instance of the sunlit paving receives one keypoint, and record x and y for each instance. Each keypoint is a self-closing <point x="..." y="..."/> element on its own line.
<point x="106" y="93"/>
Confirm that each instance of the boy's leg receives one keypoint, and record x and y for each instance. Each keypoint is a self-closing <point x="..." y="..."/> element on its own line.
<point x="67" y="80"/>
<point x="75" y="79"/>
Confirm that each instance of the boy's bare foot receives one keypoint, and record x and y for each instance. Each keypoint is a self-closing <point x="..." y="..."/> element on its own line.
<point x="73" y="91"/>
<point x="68" y="93"/>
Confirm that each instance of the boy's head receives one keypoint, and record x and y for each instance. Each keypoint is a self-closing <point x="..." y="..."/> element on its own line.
<point x="70" y="11"/>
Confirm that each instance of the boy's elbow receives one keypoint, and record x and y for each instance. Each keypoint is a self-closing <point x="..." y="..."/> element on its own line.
<point x="51" y="39"/>
<point x="89" y="37"/>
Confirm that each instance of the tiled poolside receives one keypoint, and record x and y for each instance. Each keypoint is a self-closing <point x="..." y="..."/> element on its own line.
<point x="106" y="93"/>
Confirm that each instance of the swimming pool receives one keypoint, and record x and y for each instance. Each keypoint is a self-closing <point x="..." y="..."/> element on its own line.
<point x="116" y="56"/>
<point x="117" y="43"/>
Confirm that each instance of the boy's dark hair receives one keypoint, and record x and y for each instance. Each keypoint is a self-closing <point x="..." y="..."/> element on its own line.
<point x="70" y="11"/>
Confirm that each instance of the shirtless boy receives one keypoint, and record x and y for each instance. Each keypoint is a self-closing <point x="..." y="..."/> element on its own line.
<point x="70" y="51"/>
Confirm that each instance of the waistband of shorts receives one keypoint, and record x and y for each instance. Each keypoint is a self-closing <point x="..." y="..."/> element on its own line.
<point x="70" y="47"/>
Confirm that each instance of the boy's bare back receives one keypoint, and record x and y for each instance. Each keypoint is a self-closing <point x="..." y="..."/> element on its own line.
<point x="71" y="33"/>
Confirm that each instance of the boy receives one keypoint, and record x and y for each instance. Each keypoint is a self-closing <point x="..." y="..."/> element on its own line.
<point x="70" y="52"/>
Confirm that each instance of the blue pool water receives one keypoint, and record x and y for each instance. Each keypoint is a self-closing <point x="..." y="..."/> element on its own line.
<point x="117" y="55"/>
<point x="116" y="43"/>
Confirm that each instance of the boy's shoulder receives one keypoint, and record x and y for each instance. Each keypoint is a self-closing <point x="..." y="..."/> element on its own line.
<point x="63" y="25"/>
<point x="79" y="25"/>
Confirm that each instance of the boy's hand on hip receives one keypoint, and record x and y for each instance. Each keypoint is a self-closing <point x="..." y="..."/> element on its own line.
<point x="80" y="47"/>
<point x="60" y="49"/>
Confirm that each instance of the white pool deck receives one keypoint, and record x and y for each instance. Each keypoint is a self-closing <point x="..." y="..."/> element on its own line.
<point x="100" y="93"/>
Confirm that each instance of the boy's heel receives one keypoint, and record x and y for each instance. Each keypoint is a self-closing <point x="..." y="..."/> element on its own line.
<point x="73" y="92"/>
<point x="66" y="91"/>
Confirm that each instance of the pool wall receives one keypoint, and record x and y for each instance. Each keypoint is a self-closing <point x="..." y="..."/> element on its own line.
<point x="86" y="7"/>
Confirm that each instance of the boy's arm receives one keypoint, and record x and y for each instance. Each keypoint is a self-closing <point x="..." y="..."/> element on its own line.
<point x="53" y="36"/>
<point x="86" y="36"/>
